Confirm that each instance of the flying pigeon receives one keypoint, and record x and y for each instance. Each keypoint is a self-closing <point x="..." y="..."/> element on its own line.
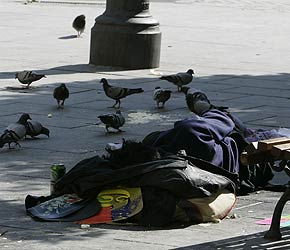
<point x="27" y="77"/>
<point x="161" y="96"/>
<point x="60" y="94"/>
<point x="35" y="128"/>
<point x="179" y="79"/>
<point x="15" y="131"/>
<point x="118" y="93"/>
<point x="113" y="120"/>
<point x="79" y="24"/>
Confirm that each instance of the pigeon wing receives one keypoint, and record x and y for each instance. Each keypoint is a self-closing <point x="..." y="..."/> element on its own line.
<point x="24" y="77"/>
<point x="157" y="94"/>
<point x="165" y="95"/>
<point x="17" y="130"/>
<point x="118" y="121"/>
<point x="106" y="119"/>
<point x="60" y="93"/>
<point x="33" y="128"/>
<point x="115" y="92"/>
<point x="184" y="78"/>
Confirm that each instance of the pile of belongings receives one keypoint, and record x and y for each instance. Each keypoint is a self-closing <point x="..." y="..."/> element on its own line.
<point x="152" y="192"/>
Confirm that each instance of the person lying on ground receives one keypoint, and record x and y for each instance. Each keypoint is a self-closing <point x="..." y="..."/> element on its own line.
<point x="212" y="134"/>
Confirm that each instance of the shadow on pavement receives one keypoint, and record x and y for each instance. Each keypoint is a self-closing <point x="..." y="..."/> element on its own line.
<point x="68" y="37"/>
<point x="65" y="69"/>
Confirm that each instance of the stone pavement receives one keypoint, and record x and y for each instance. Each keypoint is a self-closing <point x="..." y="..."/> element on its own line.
<point x="240" y="52"/>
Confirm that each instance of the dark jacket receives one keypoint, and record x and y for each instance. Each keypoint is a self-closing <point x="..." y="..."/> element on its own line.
<point x="175" y="174"/>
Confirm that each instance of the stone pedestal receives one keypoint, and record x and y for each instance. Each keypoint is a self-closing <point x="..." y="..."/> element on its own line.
<point x="126" y="36"/>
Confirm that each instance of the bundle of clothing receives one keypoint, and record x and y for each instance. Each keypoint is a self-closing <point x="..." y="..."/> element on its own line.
<point x="171" y="187"/>
<point x="191" y="173"/>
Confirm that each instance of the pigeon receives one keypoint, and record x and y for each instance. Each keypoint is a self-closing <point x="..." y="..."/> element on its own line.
<point x="15" y="131"/>
<point x="161" y="96"/>
<point x="113" y="120"/>
<point x="198" y="102"/>
<point x="179" y="79"/>
<point x="79" y="24"/>
<point x="118" y="93"/>
<point x="35" y="128"/>
<point x="60" y="94"/>
<point x="27" y="77"/>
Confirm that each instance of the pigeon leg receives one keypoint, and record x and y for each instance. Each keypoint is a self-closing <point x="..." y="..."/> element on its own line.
<point x="159" y="107"/>
<point x="119" y="130"/>
<point x="58" y="104"/>
<point x="62" y="104"/>
<point x="118" y="101"/>
<point x="16" y="143"/>
<point x="114" y="104"/>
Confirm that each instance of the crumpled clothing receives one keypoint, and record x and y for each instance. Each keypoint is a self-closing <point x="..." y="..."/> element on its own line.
<point x="206" y="137"/>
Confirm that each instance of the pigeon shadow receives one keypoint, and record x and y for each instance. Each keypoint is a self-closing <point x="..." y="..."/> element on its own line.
<point x="65" y="69"/>
<point x="16" y="88"/>
<point x="22" y="89"/>
<point x="68" y="37"/>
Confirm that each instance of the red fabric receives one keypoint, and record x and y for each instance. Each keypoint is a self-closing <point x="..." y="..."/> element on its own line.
<point x="105" y="215"/>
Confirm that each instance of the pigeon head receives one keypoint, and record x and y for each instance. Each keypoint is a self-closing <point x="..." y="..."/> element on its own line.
<point x="62" y="85"/>
<point x="157" y="87"/>
<point x="190" y="71"/>
<point x="23" y="118"/>
<point x="16" y="75"/>
<point x="103" y="80"/>
<point x="118" y="111"/>
<point x="83" y="17"/>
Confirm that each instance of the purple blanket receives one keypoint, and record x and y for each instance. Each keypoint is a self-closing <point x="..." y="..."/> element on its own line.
<point x="205" y="137"/>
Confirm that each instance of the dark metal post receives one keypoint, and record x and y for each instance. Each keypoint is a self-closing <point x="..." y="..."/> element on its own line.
<point x="126" y="36"/>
